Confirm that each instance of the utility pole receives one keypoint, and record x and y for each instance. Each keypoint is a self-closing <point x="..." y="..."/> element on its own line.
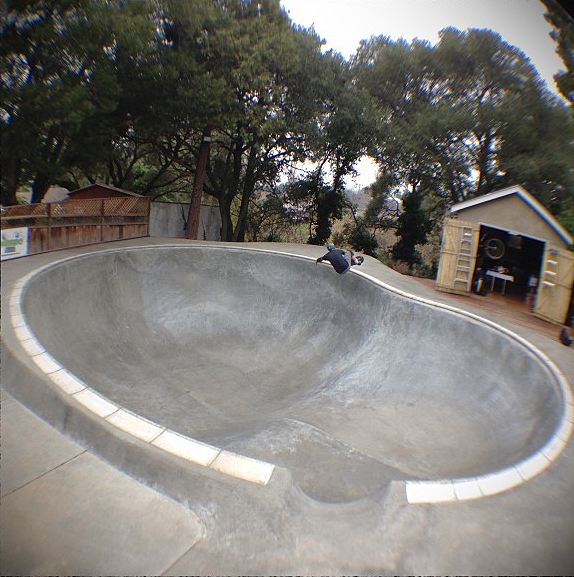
<point x="192" y="228"/>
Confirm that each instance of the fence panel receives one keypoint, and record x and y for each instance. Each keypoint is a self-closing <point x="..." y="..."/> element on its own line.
<point x="73" y="223"/>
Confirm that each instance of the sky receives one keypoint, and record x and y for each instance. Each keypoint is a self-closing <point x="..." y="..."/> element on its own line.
<point x="344" y="23"/>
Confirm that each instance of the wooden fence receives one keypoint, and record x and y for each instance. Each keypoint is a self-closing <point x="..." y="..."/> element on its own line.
<point x="72" y="223"/>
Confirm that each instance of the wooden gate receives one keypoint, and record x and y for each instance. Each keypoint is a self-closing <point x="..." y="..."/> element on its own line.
<point x="555" y="285"/>
<point x="457" y="256"/>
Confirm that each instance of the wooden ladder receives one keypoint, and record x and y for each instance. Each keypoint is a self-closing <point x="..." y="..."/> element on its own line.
<point x="464" y="257"/>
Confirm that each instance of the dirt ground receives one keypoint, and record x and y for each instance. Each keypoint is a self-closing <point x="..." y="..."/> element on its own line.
<point x="507" y="306"/>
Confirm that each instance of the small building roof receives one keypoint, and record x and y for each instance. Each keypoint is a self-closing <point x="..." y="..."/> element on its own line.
<point x="104" y="186"/>
<point x="525" y="196"/>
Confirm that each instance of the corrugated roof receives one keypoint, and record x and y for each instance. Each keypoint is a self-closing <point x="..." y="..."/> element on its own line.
<point x="528" y="199"/>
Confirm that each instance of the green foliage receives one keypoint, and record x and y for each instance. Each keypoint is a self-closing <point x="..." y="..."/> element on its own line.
<point x="317" y="203"/>
<point x="60" y="84"/>
<point x="358" y="236"/>
<point x="458" y="120"/>
<point x="563" y="35"/>
<point x="383" y="208"/>
<point x="566" y="216"/>
<point x="260" y="58"/>
<point x="121" y="92"/>
<point x="412" y="230"/>
<point x="267" y="218"/>
<point x="344" y="126"/>
<point x="466" y="116"/>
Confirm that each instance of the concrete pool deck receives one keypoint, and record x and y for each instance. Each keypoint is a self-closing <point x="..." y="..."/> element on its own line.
<point x="65" y="511"/>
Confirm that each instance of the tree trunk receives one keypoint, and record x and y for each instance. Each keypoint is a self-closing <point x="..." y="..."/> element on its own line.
<point x="230" y="192"/>
<point x="248" y="186"/>
<point x="51" y="154"/>
<point x="11" y="181"/>
<point x="39" y="188"/>
<point x="226" y="224"/>
<point x="483" y="161"/>
<point x="195" y="202"/>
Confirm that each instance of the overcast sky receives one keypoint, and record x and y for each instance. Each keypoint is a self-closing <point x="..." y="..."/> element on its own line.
<point x="344" y="23"/>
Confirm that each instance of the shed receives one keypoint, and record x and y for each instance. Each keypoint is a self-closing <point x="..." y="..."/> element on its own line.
<point x="99" y="191"/>
<point x="508" y="241"/>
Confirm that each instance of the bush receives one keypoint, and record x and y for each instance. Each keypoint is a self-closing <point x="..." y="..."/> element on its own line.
<point x="359" y="238"/>
<point x="273" y="237"/>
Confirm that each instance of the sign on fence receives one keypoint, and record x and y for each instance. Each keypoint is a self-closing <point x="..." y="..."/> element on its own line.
<point x="14" y="242"/>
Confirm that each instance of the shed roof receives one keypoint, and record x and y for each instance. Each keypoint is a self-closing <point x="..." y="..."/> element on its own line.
<point x="105" y="186"/>
<point x="527" y="198"/>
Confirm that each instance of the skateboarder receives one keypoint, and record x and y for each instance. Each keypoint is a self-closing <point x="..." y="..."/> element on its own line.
<point x="341" y="260"/>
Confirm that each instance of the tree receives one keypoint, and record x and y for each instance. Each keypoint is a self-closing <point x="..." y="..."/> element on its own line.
<point x="563" y="35"/>
<point x="58" y="81"/>
<point x="282" y="112"/>
<point x="538" y="150"/>
<point x="360" y="237"/>
<point x="382" y="210"/>
<point x="413" y="227"/>
<point x="110" y="92"/>
<point x="344" y="127"/>
<point x="319" y="203"/>
<point x="91" y="96"/>
<point x="268" y="217"/>
<point x="254" y="54"/>
<point x="166" y="97"/>
<point x="452" y="116"/>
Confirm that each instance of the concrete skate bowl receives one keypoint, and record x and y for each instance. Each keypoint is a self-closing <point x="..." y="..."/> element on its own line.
<point x="341" y="380"/>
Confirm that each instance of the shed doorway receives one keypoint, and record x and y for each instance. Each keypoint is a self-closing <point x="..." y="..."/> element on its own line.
<point x="508" y="265"/>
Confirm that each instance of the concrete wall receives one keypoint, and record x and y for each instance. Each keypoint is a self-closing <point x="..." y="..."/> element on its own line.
<point x="167" y="220"/>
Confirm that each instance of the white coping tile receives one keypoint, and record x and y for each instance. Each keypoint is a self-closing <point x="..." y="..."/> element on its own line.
<point x="95" y="403"/>
<point x="44" y="361"/>
<point x="185" y="448"/>
<point x="32" y="347"/>
<point x="553" y="448"/>
<point x="17" y="320"/>
<point x="243" y="467"/>
<point x="430" y="492"/>
<point x="135" y="426"/>
<point x="14" y="308"/>
<point x="67" y="382"/>
<point x="30" y="274"/>
<point x="532" y="466"/>
<point x="565" y="431"/>
<point x="23" y="333"/>
<point x="499" y="482"/>
<point x="467" y="489"/>
<point x="568" y="395"/>
<point x="569" y="412"/>
<point x="15" y="298"/>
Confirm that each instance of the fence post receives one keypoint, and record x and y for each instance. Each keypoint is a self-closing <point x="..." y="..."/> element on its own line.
<point x="148" y="214"/>
<point x="102" y="211"/>
<point x="49" y="226"/>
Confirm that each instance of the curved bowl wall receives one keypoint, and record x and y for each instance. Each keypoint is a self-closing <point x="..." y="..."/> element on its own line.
<point x="274" y="357"/>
